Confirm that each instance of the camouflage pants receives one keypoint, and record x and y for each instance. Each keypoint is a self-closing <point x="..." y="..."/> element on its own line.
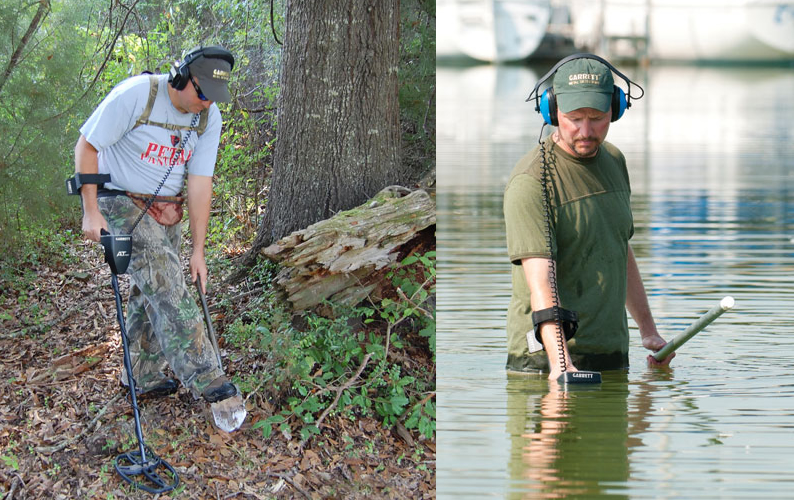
<point x="164" y="325"/>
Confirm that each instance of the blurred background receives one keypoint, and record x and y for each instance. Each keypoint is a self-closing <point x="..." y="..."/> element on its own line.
<point x="631" y="30"/>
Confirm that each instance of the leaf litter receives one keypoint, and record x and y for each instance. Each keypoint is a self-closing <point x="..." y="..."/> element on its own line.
<point x="64" y="416"/>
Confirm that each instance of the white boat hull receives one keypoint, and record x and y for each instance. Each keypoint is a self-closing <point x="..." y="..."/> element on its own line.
<point x="696" y="30"/>
<point x="490" y="30"/>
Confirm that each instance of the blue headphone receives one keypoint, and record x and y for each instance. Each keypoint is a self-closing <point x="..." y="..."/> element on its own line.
<point x="546" y="103"/>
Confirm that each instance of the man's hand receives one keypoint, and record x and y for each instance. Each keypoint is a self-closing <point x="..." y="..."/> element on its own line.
<point x="86" y="161"/>
<point x="557" y="371"/>
<point x="198" y="268"/>
<point x="653" y="343"/>
<point x="93" y="223"/>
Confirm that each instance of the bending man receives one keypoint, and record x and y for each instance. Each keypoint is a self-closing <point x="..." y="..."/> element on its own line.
<point x="148" y="134"/>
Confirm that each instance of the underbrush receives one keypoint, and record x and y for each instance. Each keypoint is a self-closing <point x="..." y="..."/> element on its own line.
<point x="372" y="360"/>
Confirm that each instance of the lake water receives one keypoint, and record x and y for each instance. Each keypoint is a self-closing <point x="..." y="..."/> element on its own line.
<point x="711" y="160"/>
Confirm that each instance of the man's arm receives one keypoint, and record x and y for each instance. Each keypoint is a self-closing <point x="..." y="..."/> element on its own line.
<point x="637" y="304"/>
<point x="86" y="161"/>
<point x="536" y="272"/>
<point x="199" y="199"/>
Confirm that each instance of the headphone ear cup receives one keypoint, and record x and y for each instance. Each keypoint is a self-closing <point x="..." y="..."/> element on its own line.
<point x="548" y="107"/>
<point x="178" y="76"/>
<point x="619" y="103"/>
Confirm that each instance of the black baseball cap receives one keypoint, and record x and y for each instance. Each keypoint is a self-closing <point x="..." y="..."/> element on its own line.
<point x="212" y="66"/>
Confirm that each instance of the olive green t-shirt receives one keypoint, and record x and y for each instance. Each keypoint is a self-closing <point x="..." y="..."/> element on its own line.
<point x="590" y="225"/>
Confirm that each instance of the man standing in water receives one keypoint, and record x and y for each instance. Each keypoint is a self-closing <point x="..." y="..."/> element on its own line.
<point x="580" y="259"/>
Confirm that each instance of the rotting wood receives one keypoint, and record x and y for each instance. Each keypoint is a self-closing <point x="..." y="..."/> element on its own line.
<point x="344" y="259"/>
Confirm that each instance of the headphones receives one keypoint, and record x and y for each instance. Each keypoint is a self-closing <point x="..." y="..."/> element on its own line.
<point x="180" y="72"/>
<point x="546" y="103"/>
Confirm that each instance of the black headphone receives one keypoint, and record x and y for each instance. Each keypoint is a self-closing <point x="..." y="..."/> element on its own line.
<point x="180" y="72"/>
<point x="546" y="103"/>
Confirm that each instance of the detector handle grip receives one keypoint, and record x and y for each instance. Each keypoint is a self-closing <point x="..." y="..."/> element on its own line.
<point x="715" y="312"/>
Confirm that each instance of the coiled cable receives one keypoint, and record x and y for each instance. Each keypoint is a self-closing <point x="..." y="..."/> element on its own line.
<point x="545" y="179"/>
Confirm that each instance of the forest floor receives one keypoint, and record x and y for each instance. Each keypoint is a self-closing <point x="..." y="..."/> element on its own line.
<point x="64" y="418"/>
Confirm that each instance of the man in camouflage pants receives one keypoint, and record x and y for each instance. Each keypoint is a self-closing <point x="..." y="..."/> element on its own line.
<point x="150" y="134"/>
<point x="160" y="301"/>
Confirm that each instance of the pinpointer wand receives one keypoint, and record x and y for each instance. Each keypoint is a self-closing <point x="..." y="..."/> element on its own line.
<point x="702" y="322"/>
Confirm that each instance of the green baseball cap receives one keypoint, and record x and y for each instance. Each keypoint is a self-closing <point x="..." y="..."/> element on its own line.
<point x="583" y="83"/>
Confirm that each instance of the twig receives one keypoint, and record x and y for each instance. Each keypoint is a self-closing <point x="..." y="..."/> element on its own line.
<point x="255" y="390"/>
<point x="414" y="304"/>
<point x="427" y="398"/>
<point x="290" y="481"/>
<point x="17" y="481"/>
<point x="341" y="389"/>
<point x="67" y="442"/>
<point x="427" y="111"/>
<point x="239" y="297"/>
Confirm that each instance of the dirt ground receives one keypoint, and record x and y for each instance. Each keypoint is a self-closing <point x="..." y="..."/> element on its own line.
<point x="64" y="418"/>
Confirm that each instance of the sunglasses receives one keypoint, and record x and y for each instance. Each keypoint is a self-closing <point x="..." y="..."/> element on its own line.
<point x="198" y="90"/>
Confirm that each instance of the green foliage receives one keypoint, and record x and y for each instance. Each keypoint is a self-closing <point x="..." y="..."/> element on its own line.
<point x="341" y="364"/>
<point x="417" y="80"/>
<point x="241" y="175"/>
<point x="40" y="97"/>
<point x="415" y="281"/>
<point x="11" y="461"/>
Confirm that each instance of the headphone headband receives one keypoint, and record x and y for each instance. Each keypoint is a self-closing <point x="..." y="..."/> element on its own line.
<point x="210" y="52"/>
<point x="583" y="55"/>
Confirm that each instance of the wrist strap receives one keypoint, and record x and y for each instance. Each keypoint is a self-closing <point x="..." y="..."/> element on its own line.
<point x="73" y="184"/>
<point x="569" y="320"/>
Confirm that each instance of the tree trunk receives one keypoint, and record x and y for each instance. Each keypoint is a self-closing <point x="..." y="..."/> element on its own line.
<point x="338" y="118"/>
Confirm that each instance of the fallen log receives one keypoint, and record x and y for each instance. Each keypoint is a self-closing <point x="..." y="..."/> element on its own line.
<point x="345" y="259"/>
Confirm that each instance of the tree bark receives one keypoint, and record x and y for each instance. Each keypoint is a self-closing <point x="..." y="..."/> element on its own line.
<point x="338" y="119"/>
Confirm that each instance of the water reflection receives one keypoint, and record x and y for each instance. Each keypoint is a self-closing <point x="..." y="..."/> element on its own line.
<point x="711" y="161"/>
<point x="566" y="443"/>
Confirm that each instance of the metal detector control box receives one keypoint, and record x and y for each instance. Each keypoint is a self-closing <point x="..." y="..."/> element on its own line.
<point x="118" y="250"/>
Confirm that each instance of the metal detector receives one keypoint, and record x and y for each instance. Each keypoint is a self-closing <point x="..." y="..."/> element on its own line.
<point x="142" y="462"/>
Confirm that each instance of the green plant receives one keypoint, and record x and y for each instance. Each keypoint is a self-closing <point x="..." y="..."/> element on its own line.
<point x="10" y="460"/>
<point x="414" y="281"/>
<point x="340" y="364"/>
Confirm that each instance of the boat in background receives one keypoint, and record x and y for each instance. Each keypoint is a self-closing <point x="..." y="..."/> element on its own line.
<point x="490" y="30"/>
<point x="686" y="30"/>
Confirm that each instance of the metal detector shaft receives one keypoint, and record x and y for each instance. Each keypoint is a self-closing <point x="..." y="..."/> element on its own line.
<point x="702" y="322"/>
<point x="208" y="321"/>
<point x="128" y="366"/>
<point x="118" y="250"/>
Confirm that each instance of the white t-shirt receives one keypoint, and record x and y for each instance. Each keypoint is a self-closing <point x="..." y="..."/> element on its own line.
<point x="137" y="160"/>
